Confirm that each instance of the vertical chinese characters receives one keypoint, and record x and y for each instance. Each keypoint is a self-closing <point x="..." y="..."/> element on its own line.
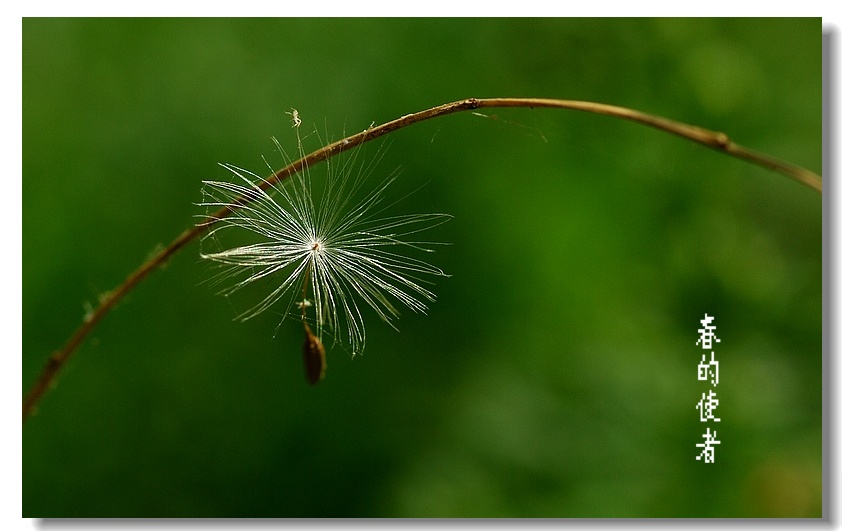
<point x="708" y="370"/>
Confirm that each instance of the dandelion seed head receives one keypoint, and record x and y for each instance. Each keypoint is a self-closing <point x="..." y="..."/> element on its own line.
<point x="326" y="251"/>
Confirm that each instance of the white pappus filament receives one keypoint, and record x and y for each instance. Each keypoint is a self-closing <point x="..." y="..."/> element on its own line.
<point x="328" y="250"/>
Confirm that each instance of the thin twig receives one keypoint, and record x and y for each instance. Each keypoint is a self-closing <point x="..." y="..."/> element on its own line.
<point x="714" y="140"/>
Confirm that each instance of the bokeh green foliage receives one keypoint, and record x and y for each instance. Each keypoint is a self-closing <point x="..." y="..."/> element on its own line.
<point x="556" y="374"/>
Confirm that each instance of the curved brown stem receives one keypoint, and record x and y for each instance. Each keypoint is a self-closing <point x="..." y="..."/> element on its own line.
<point x="711" y="139"/>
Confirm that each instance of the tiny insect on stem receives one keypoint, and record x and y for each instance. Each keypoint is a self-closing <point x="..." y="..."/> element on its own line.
<point x="713" y="140"/>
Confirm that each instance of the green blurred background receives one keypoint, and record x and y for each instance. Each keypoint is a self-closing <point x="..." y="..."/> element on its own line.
<point x="556" y="374"/>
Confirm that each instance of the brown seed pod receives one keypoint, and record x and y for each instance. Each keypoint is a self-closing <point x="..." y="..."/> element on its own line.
<point x="314" y="357"/>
